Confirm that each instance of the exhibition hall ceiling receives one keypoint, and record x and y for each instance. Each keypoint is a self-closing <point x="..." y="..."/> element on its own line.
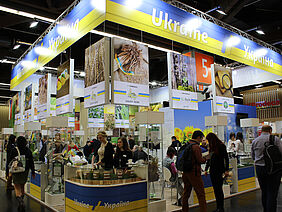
<point x="16" y="35"/>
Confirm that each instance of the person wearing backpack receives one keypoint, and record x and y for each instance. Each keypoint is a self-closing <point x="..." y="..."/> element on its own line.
<point x="20" y="177"/>
<point x="219" y="166"/>
<point x="268" y="174"/>
<point x="192" y="156"/>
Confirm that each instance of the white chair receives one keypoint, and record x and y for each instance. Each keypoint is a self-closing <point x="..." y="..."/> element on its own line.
<point x="167" y="175"/>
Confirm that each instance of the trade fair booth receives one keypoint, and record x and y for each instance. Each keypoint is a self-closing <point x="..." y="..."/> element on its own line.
<point x="117" y="41"/>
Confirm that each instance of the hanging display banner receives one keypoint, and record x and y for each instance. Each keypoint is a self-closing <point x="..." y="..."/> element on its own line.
<point x="164" y="20"/>
<point x="97" y="61"/>
<point x="183" y="82"/>
<point x="35" y="108"/>
<point x="77" y="115"/>
<point x="15" y="109"/>
<point x="122" y="116"/>
<point x="84" y="17"/>
<point x="44" y="95"/>
<point x="64" y="98"/>
<point x="121" y="197"/>
<point x="53" y="106"/>
<point x="203" y="68"/>
<point x="96" y="117"/>
<point x="130" y="73"/>
<point x="224" y="105"/>
<point x="223" y="81"/>
<point x="29" y="103"/>
<point x="223" y="89"/>
<point x="109" y="117"/>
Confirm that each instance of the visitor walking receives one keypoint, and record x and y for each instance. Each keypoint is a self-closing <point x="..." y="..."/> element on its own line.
<point x="269" y="184"/>
<point x="219" y="166"/>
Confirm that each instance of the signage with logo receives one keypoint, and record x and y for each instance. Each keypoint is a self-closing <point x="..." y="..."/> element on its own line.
<point x="162" y="19"/>
<point x="264" y="104"/>
<point x="64" y="98"/>
<point x="130" y="73"/>
<point x="224" y="105"/>
<point x="84" y="17"/>
<point x="44" y="90"/>
<point x="122" y="197"/>
<point x="183" y="84"/>
<point x="96" y="81"/>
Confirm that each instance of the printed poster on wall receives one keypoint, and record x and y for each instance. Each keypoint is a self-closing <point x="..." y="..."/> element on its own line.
<point x="130" y="73"/>
<point x="223" y="89"/>
<point x="44" y="97"/>
<point x="64" y="101"/>
<point x="183" y="82"/>
<point x="122" y="116"/>
<point x="53" y="106"/>
<point x="97" y="61"/>
<point x="29" y="103"/>
<point x="96" y="117"/>
<point x="35" y="108"/>
<point x="109" y="118"/>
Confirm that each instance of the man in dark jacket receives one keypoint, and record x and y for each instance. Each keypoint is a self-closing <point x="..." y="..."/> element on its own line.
<point x="193" y="177"/>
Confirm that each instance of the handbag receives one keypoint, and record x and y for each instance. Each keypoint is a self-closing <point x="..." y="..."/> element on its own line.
<point x="17" y="165"/>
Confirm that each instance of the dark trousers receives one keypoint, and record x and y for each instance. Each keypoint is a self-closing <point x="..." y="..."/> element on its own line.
<point x="217" y="183"/>
<point x="191" y="180"/>
<point x="269" y="185"/>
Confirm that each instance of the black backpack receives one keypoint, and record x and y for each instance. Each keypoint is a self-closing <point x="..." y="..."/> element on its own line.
<point x="272" y="156"/>
<point x="184" y="158"/>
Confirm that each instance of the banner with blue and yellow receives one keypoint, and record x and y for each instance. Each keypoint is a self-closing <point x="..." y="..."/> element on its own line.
<point x="123" y="197"/>
<point x="164" y="20"/>
<point x="84" y="17"/>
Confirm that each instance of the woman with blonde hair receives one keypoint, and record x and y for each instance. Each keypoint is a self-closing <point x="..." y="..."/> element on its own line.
<point x="105" y="152"/>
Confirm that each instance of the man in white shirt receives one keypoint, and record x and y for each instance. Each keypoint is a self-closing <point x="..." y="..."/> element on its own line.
<point x="269" y="184"/>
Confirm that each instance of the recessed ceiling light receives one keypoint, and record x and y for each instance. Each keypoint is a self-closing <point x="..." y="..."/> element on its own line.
<point x="259" y="31"/>
<point x="33" y="24"/>
<point x="221" y="12"/>
<point x="16" y="46"/>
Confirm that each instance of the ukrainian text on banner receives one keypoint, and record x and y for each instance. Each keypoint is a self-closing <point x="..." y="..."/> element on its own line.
<point x="83" y="18"/>
<point x="162" y="19"/>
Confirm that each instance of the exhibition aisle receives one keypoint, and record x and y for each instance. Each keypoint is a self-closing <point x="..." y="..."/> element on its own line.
<point x="250" y="201"/>
<point x="9" y="203"/>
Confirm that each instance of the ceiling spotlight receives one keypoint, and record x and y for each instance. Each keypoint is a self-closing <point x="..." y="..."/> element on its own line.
<point x="42" y="68"/>
<point x="259" y="31"/>
<point x="221" y="12"/>
<point x="82" y="74"/>
<point x="33" y="24"/>
<point x="16" y="46"/>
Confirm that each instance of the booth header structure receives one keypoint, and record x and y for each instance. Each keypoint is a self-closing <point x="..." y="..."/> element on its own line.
<point x="149" y="16"/>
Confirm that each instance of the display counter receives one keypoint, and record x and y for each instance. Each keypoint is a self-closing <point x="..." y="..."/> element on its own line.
<point x="39" y="183"/>
<point x="246" y="178"/>
<point x="88" y="190"/>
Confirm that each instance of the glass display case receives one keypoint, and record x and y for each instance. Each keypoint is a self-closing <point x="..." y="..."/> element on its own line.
<point x="149" y="124"/>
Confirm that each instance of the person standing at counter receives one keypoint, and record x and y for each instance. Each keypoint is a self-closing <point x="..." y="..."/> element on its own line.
<point x="192" y="175"/>
<point x="239" y="146"/>
<point x="105" y="152"/>
<point x="20" y="179"/>
<point x="123" y="154"/>
<point x="218" y="165"/>
<point x="131" y="142"/>
<point x="231" y="141"/>
<point x="269" y="184"/>
<point x="10" y="146"/>
<point x="43" y="150"/>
